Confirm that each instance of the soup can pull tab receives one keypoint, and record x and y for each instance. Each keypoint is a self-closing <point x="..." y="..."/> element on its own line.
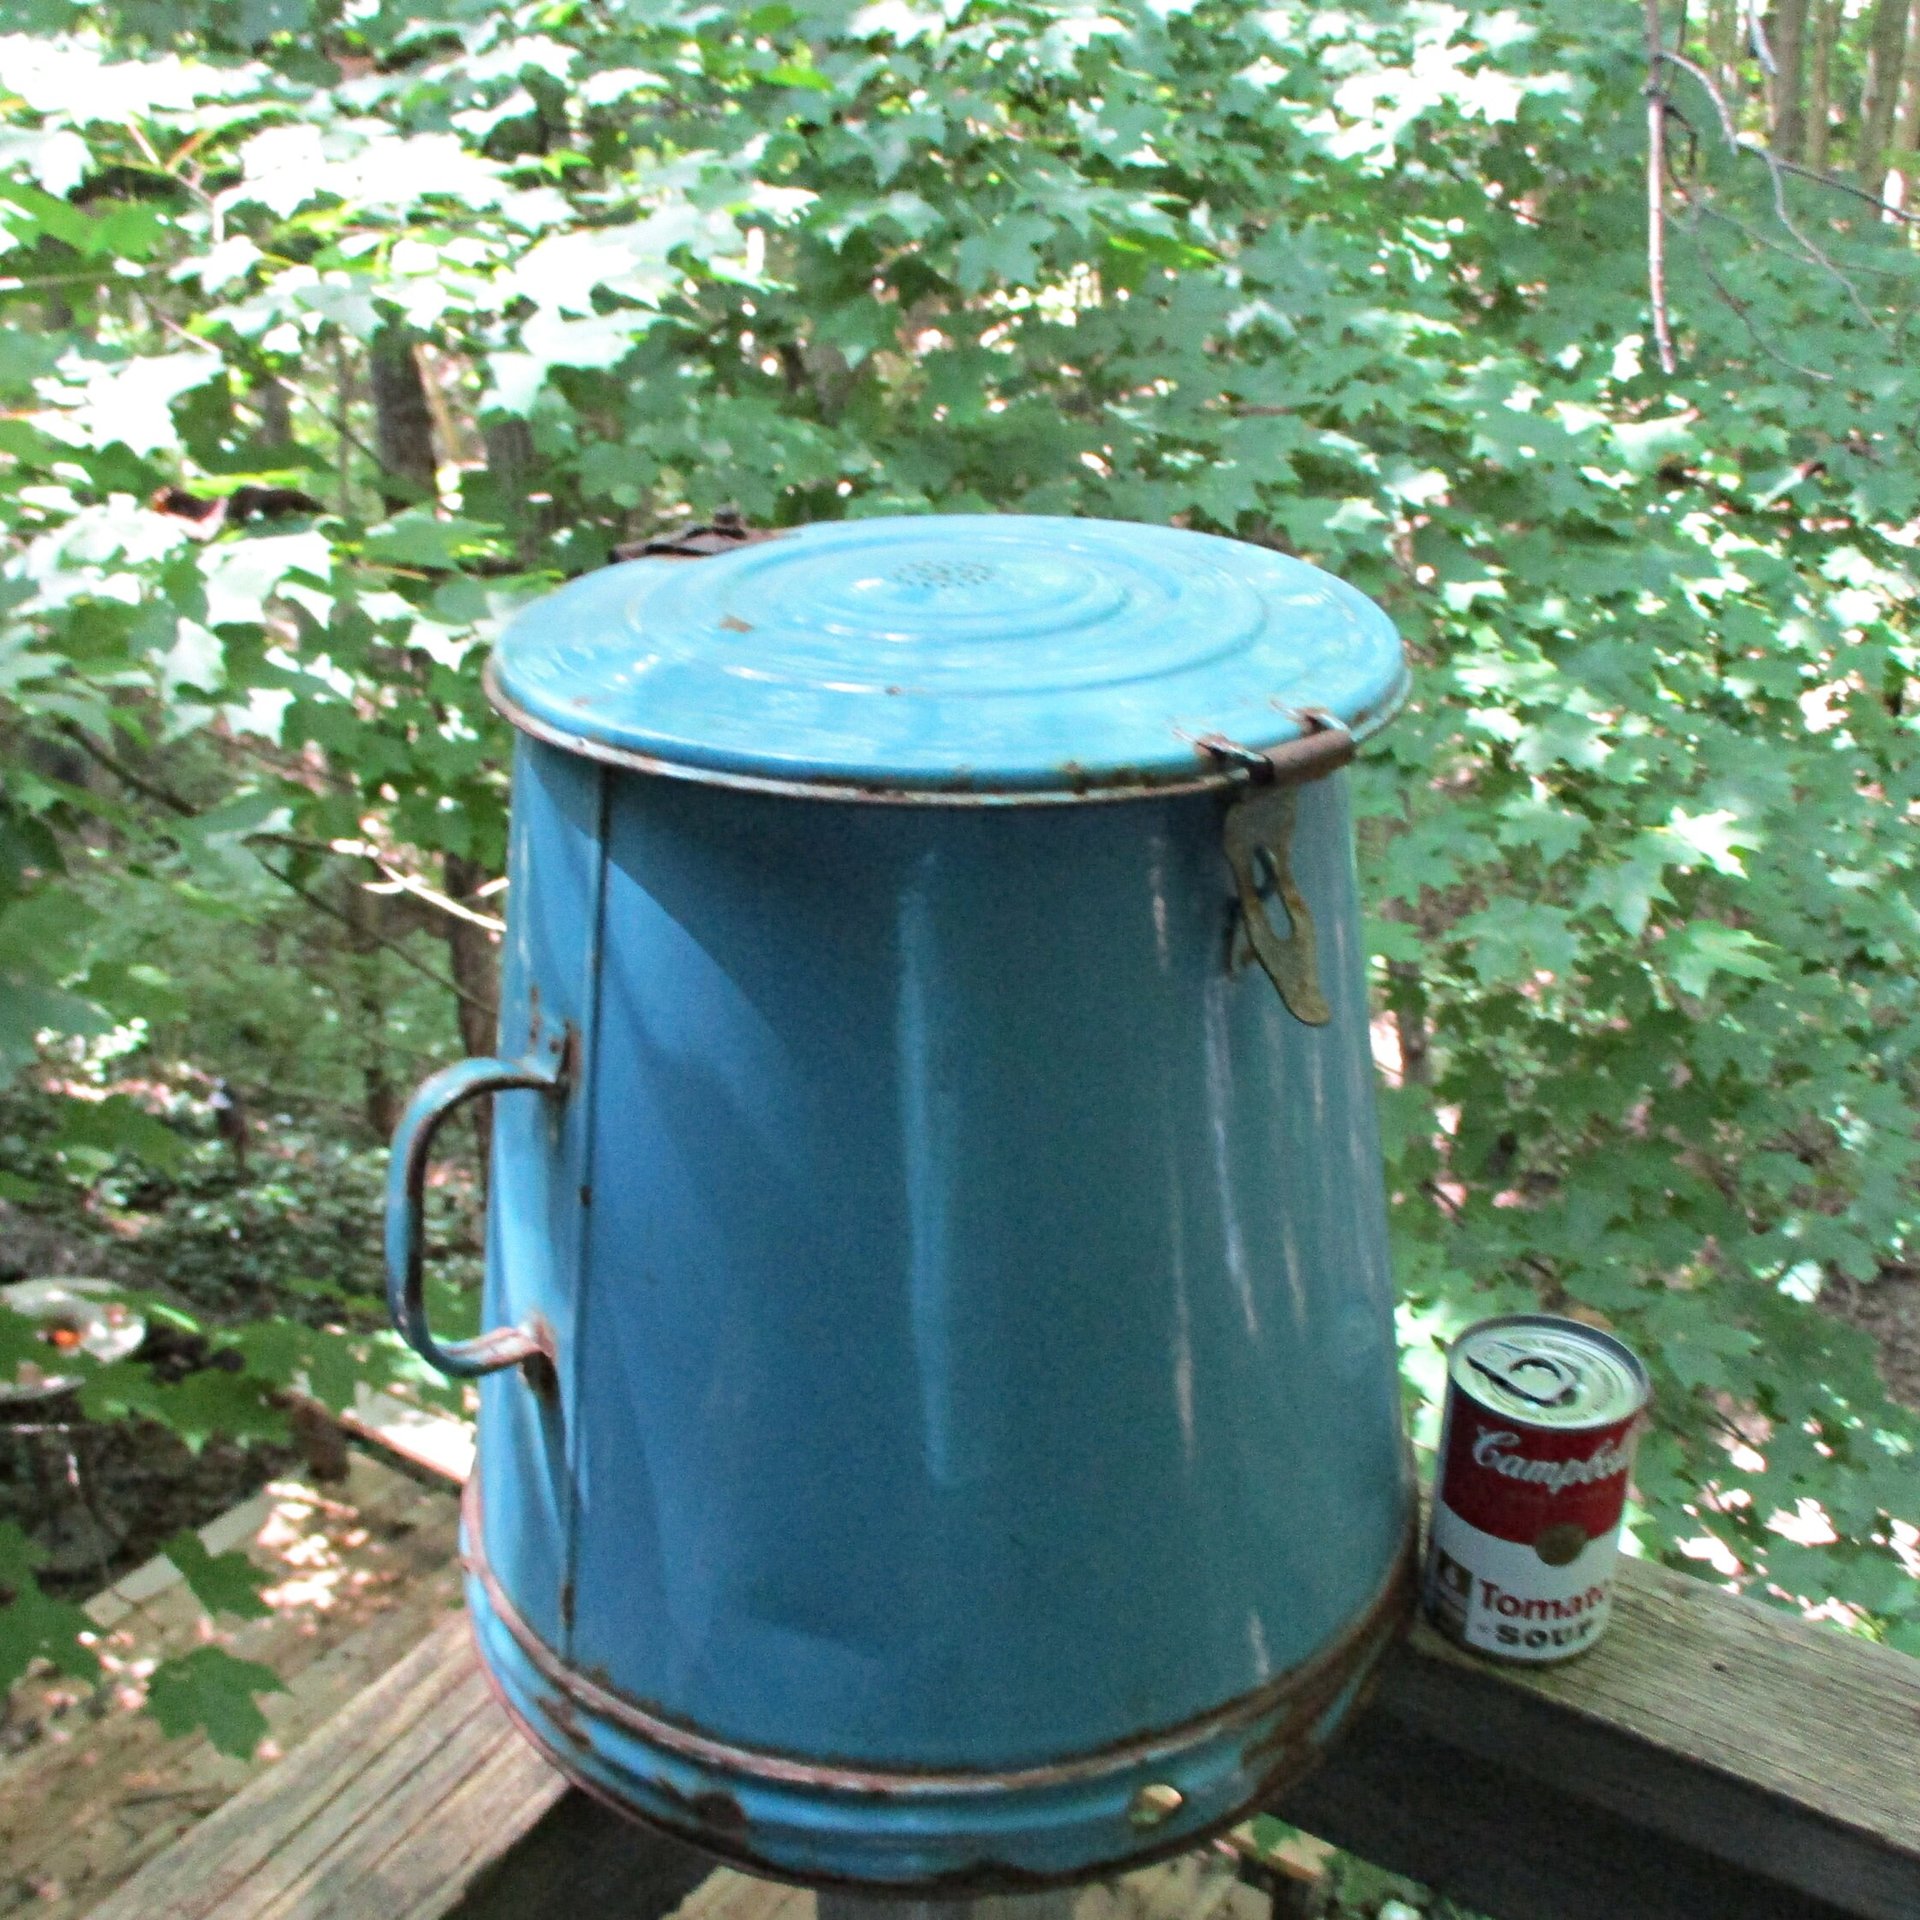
<point x="1259" y="842"/>
<point x="1537" y="1378"/>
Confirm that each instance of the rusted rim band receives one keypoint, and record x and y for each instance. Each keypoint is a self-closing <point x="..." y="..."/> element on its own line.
<point x="1299" y="1697"/>
<point x="1211" y="773"/>
<point x="977" y="1877"/>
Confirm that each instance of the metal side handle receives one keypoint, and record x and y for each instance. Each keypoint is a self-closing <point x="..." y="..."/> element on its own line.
<point x="543" y="1068"/>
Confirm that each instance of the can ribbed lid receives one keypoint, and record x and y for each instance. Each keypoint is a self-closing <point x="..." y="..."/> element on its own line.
<point x="983" y="654"/>
<point x="1548" y="1371"/>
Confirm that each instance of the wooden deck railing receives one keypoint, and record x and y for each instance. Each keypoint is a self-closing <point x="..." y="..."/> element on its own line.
<point x="1710" y="1759"/>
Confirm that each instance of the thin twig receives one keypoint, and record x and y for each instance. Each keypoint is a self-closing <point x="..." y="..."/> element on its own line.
<point x="1776" y="172"/>
<point x="444" y="903"/>
<point x="1754" y="237"/>
<point x="1739" y="306"/>
<point x="1777" y="168"/>
<point x="216" y="219"/>
<point x="107" y="270"/>
<point x="175" y="804"/>
<point x="1846" y="186"/>
<point x="1656" y="192"/>
<point x="400" y="881"/>
<point x="1685" y="65"/>
<point x="159" y="795"/>
<point x="322" y="905"/>
<point x="386" y="472"/>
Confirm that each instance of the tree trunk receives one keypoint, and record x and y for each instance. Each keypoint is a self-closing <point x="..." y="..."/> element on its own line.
<point x="276" y="412"/>
<point x="439" y="380"/>
<point x="475" y="965"/>
<point x="511" y="461"/>
<point x="403" y="421"/>
<point x="1786" y="93"/>
<point x="1887" y="35"/>
<point x="1407" y="1002"/>
<point x="367" y="1010"/>
<point x="1826" y="28"/>
<point x="1906" y="122"/>
<point x="1723" y="43"/>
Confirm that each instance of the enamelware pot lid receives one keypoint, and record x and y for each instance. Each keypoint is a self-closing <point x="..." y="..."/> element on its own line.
<point x="953" y="656"/>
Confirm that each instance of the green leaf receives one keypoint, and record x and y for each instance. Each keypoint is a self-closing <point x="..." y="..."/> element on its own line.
<point x="34" y="1626"/>
<point x="1716" y="838"/>
<point x="1704" y="949"/>
<point x="1512" y="942"/>
<point x="1699" y="1350"/>
<point x="242" y="576"/>
<point x="211" y="1690"/>
<point x="1645" y="445"/>
<point x="27" y="1009"/>
<point x="1008" y="251"/>
<point x="56" y="157"/>
<point x="422" y="539"/>
<point x="117" y="1125"/>
<point x="215" y="1399"/>
<point x="131" y="403"/>
<point x="222" y="1582"/>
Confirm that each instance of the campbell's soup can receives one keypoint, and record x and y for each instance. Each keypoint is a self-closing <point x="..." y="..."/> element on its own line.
<point x="1537" y="1445"/>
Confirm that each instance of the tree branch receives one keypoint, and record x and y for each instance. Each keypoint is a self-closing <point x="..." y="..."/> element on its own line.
<point x="1770" y="159"/>
<point x="1739" y="306"/>
<point x="320" y="904"/>
<point x="1776" y="169"/>
<point x="137" y="782"/>
<point x="1845" y="186"/>
<point x="1757" y="239"/>
<point x="185" y="809"/>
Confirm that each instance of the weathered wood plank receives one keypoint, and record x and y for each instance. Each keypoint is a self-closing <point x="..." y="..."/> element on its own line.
<point x="435" y="1442"/>
<point x="1710" y="1760"/>
<point x="1709" y="1756"/>
<point x="393" y="1807"/>
<point x="582" y="1858"/>
<point x="362" y="1572"/>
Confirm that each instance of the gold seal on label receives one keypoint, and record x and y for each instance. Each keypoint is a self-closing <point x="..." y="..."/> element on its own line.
<point x="1560" y="1546"/>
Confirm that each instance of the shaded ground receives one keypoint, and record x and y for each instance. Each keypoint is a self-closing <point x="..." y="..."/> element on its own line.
<point x="292" y="1230"/>
<point x="90" y="1787"/>
<point x="1888" y="1310"/>
<point x="100" y="1498"/>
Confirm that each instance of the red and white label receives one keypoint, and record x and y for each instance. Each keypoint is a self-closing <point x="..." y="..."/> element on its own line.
<point x="1526" y="1531"/>
<point x="1512" y="1480"/>
<point x="1503" y="1599"/>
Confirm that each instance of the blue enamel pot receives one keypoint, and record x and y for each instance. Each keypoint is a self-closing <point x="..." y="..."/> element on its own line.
<point x="939" y="1425"/>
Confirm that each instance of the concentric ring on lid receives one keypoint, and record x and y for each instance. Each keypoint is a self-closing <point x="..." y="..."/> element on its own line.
<point x="942" y="656"/>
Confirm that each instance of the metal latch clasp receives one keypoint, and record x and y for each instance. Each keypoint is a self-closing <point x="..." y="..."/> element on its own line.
<point x="1259" y="840"/>
<point x="725" y="531"/>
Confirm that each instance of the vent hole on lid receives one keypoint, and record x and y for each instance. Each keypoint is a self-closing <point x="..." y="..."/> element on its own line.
<point x="943" y="573"/>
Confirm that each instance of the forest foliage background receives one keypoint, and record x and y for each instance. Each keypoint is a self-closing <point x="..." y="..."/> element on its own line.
<point x="1582" y="337"/>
